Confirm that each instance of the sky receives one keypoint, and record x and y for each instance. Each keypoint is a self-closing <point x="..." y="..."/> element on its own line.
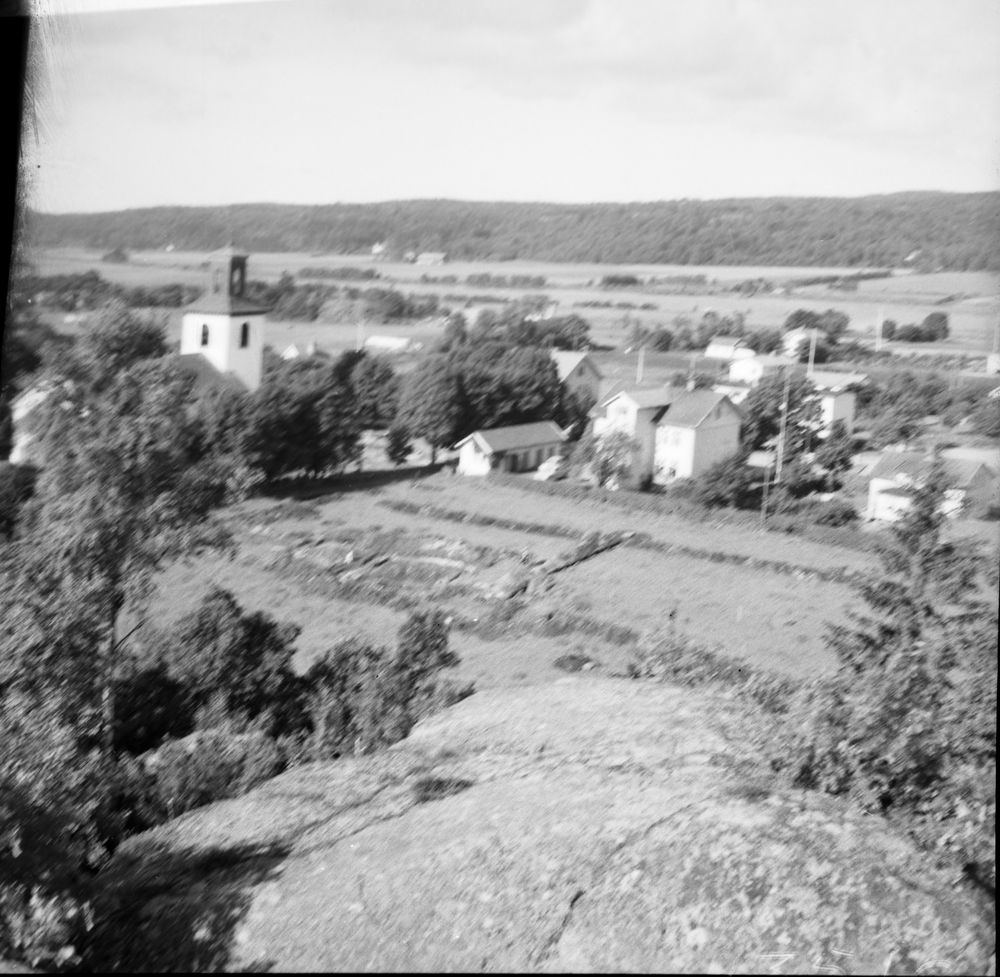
<point x="545" y="100"/>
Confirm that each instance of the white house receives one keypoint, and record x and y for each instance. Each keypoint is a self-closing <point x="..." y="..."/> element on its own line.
<point x="697" y="430"/>
<point x="837" y="397"/>
<point x="897" y="475"/>
<point x="753" y="369"/>
<point x="728" y="348"/>
<point x="223" y="326"/>
<point x="578" y="373"/>
<point x="795" y="340"/>
<point x="518" y="448"/>
<point x="431" y="258"/>
<point x="633" y="412"/>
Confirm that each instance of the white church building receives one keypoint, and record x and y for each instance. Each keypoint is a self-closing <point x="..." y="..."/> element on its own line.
<point x="223" y="326"/>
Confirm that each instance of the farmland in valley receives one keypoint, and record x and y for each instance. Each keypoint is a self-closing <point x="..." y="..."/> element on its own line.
<point x="971" y="299"/>
<point x="352" y="563"/>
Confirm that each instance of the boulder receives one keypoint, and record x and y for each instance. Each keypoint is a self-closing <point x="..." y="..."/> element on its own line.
<point x="601" y="825"/>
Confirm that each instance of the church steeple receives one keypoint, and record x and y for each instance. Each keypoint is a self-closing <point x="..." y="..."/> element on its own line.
<point x="229" y="272"/>
<point x="224" y="326"/>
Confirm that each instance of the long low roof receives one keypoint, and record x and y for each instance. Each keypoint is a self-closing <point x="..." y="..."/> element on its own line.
<point x="516" y="436"/>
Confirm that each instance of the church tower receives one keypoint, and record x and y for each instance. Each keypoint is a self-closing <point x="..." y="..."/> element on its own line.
<point x="224" y="326"/>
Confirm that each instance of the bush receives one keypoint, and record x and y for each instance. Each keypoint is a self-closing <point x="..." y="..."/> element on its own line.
<point x="362" y="697"/>
<point x="17" y="484"/>
<point x="207" y="766"/>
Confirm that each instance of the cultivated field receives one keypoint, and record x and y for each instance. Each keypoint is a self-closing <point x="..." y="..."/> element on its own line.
<point x="354" y="563"/>
<point x="971" y="299"/>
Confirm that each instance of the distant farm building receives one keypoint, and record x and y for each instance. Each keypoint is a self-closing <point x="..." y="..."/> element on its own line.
<point x="578" y="373"/>
<point x="728" y="348"/>
<point x="897" y="476"/>
<point x="392" y="345"/>
<point x="752" y="369"/>
<point x="431" y="258"/>
<point x="293" y="352"/>
<point x="519" y="448"/>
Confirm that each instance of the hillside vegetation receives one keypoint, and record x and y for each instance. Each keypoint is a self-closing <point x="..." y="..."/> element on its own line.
<point x="953" y="231"/>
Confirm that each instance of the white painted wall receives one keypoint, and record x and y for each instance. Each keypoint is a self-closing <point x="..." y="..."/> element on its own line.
<point x="472" y="461"/>
<point x="837" y="407"/>
<point x="688" y="452"/>
<point x="223" y="350"/>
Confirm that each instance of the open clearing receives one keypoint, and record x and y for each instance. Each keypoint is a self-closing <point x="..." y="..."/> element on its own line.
<point x="350" y="564"/>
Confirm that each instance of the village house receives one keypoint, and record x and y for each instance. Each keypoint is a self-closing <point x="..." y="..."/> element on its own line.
<point x="728" y="348"/>
<point x="752" y="369"/>
<point x="431" y="258"/>
<point x="578" y="373"/>
<point x="837" y="397"/>
<point x="897" y="475"/>
<point x="697" y="430"/>
<point x="633" y="412"/>
<point x="678" y="433"/>
<point x="517" y="448"/>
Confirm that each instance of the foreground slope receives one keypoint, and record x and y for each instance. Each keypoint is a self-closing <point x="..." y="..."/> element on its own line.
<point x="590" y="824"/>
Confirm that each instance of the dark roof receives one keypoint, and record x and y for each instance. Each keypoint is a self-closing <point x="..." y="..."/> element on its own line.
<point x="643" y="397"/>
<point x="691" y="407"/>
<point x="518" y="436"/>
<point x="206" y="376"/>
<point x="222" y="303"/>
<point x="915" y="465"/>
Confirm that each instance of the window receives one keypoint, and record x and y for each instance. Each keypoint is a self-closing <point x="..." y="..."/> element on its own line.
<point x="244" y="335"/>
<point x="204" y="335"/>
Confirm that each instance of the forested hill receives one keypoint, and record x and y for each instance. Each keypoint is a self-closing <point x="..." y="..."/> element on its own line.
<point x="954" y="231"/>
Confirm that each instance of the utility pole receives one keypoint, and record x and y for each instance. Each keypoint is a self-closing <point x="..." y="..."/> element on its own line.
<point x="878" y="331"/>
<point x="781" y="434"/>
<point x="639" y="364"/>
<point x="763" y="502"/>
<point x="812" y="352"/>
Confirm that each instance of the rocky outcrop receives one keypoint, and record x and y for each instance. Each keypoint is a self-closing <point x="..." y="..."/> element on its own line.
<point x="592" y="824"/>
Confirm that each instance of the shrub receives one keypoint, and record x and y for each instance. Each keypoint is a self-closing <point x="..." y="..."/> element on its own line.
<point x="362" y="697"/>
<point x="207" y="766"/>
<point x="17" y="484"/>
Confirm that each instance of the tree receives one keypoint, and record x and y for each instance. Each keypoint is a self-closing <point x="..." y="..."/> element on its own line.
<point x="245" y="659"/>
<point x="834" y="324"/>
<point x="431" y="404"/>
<point x="836" y="453"/>
<point x="729" y="482"/>
<point x="908" y="722"/>
<point x="376" y="390"/>
<point x="762" y="412"/>
<point x="116" y="339"/>
<point x="607" y="458"/>
<point x="124" y="487"/>
<point x="986" y="418"/>
<point x="935" y="325"/>
<point x="802" y="319"/>
<point x="304" y="418"/>
<point x="398" y="446"/>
